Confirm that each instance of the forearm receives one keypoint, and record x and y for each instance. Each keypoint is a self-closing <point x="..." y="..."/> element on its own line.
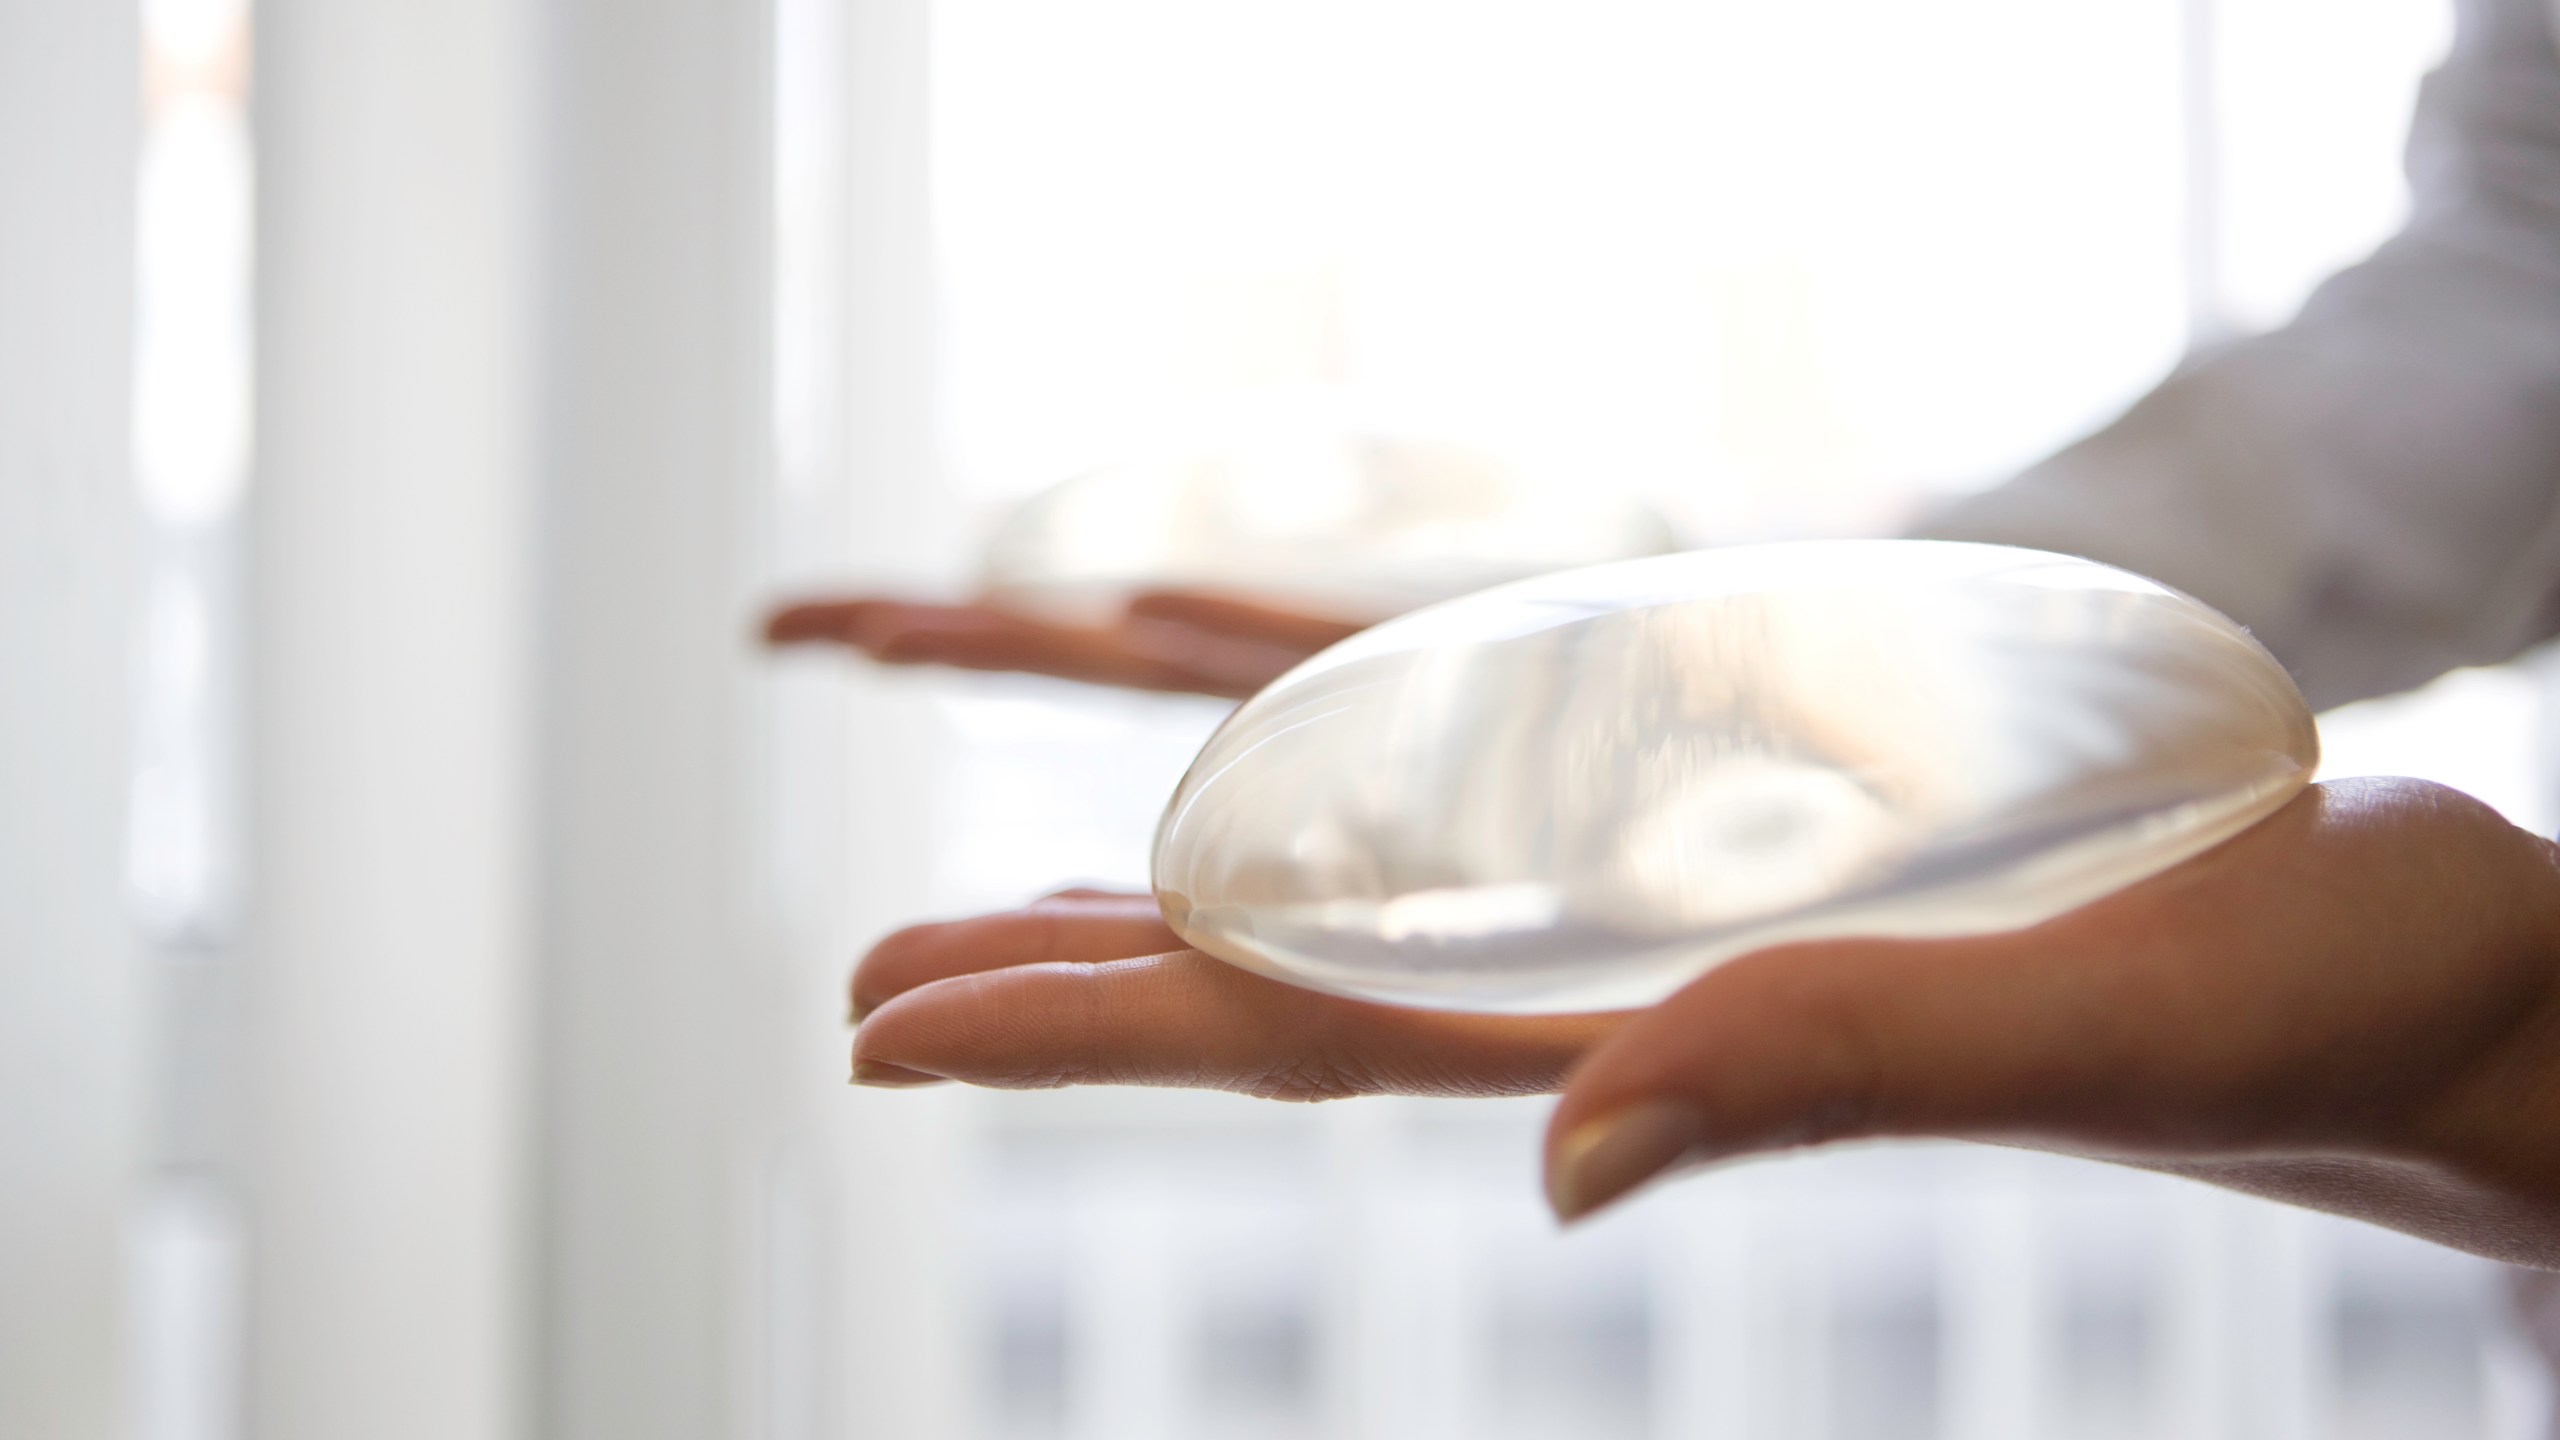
<point x="2375" y="488"/>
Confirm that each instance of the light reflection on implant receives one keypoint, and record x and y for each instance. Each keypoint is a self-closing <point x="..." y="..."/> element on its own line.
<point x="1579" y="792"/>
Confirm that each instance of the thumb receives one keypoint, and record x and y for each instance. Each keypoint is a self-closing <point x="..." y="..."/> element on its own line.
<point x="1836" y="1041"/>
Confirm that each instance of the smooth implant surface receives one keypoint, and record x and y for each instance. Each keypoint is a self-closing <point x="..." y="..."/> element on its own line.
<point x="1581" y="791"/>
<point x="1356" y="525"/>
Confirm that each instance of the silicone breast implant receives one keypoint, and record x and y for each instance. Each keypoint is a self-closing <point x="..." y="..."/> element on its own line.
<point x="1581" y="791"/>
<point x="1351" y="524"/>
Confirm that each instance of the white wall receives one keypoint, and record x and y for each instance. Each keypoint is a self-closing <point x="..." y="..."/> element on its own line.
<point x="69" y="1038"/>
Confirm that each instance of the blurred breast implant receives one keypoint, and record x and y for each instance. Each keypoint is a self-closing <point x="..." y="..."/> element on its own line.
<point x="1581" y="791"/>
<point x="1356" y="525"/>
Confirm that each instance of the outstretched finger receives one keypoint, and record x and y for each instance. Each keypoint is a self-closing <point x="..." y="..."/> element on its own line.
<point x="1073" y="927"/>
<point x="1243" y="620"/>
<point x="839" y="621"/>
<point x="1208" y="662"/>
<point x="1184" y="1019"/>
<point x="983" y="637"/>
<point x="1145" y="655"/>
<point x="1835" y="1041"/>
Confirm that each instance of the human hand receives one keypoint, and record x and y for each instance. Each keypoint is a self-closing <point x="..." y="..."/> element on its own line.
<point x="2350" y="1006"/>
<point x="1175" y="640"/>
<point x="1090" y="987"/>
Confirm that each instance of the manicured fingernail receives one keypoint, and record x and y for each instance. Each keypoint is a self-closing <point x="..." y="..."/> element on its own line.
<point x="1605" y="1158"/>
<point x="891" y="1077"/>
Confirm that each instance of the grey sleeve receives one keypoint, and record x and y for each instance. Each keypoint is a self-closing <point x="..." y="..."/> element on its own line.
<point x="2375" y="488"/>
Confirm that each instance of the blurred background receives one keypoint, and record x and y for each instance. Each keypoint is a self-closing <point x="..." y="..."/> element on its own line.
<point x="426" y="911"/>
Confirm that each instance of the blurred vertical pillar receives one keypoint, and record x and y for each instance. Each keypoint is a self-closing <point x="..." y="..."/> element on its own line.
<point x="910" y="1332"/>
<point x="386" y="955"/>
<point x="658" y="436"/>
<point x="69" y="1042"/>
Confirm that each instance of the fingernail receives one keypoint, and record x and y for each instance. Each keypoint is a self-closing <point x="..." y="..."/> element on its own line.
<point x="891" y="1077"/>
<point x="1605" y="1158"/>
<point x="854" y="1010"/>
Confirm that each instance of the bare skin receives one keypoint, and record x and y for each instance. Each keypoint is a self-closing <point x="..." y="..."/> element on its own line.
<point x="1172" y="640"/>
<point x="2354" y="1006"/>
